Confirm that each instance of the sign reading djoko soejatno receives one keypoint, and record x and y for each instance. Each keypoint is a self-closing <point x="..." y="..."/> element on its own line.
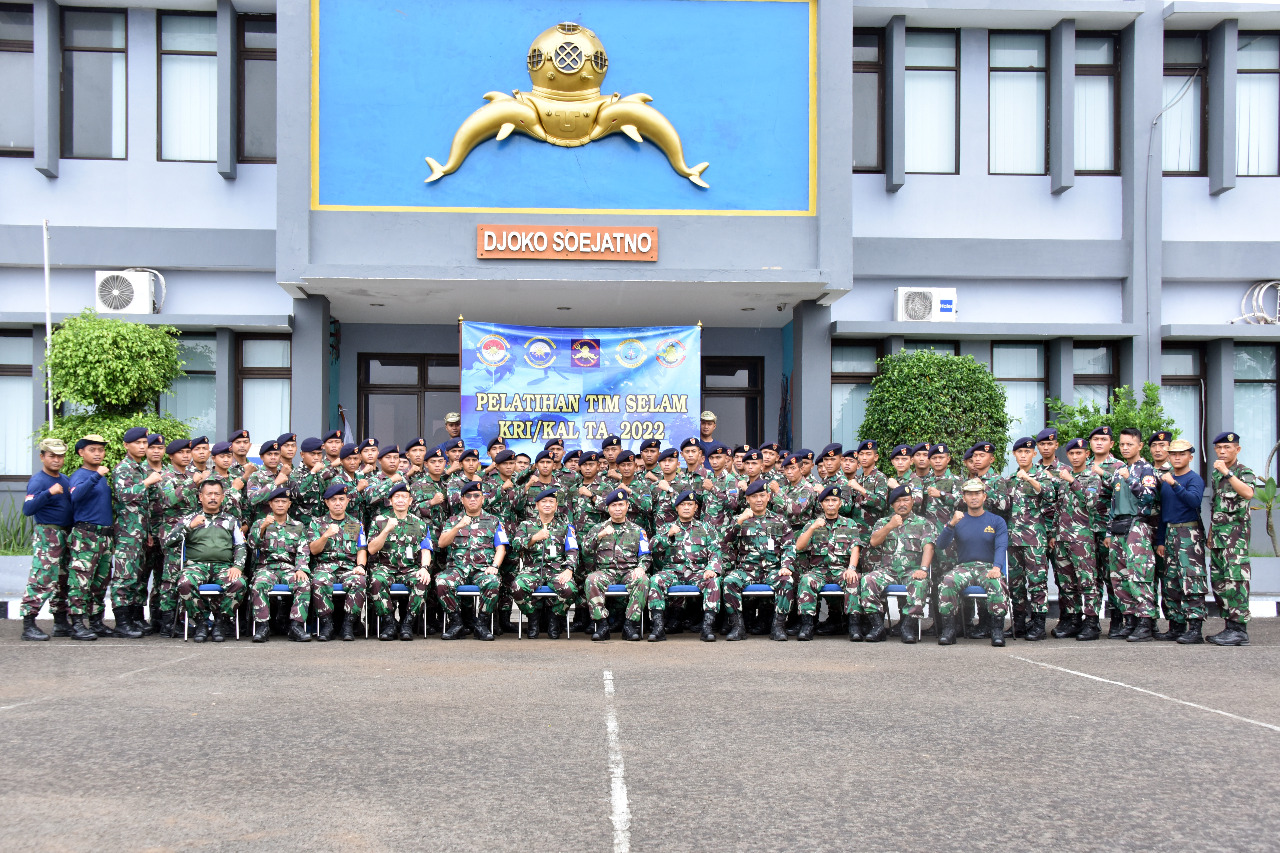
<point x="529" y="384"/>
<point x="573" y="243"/>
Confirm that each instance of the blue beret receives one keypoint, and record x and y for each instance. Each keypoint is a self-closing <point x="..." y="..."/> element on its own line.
<point x="920" y="448"/>
<point x="493" y="442"/>
<point x="968" y="454"/>
<point x="869" y="444"/>
<point x="669" y="453"/>
<point x="268" y="447"/>
<point x="589" y="456"/>
<point x="470" y="453"/>
<point x="939" y="450"/>
<point x="615" y="496"/>
<point x="1102" y="430"/>
<point x="611" y="441"/>
<point x="1160" y="435"/>
<point x="773" y="445"/>
<point x="311" y="445"/>
<point x="689" y="442"/>
<point x="624" y="456"/>
<point x="220" y="448"/>
<point x="1025" y="443"/>
<point x="543" y="454"/>
<point x="237" y="435"/>
<point x="417" y="442"/>
<point x="741" y="448"/>
<point x="686" y="495"/>
<point x="434" y="453"/>
<point x="368" y="442"/>
<point x="553" y="442"/>
<point x="451" y="444"/>
<point x="898" y="492"/>
<point x="755" y="488"/>
<point x="503" y="455"/>
<point x="718" y="447"/>
<point x="348" y="450"/>
<point x="830" y="451"/>
<point x="900" y="450"/>
<point x="335" y="489"/>
<point x="828" y="492"/>
<point x="199" y="440"/>
<point x="1047" y="434"/>
<point x="331" y="435"/>
<point x="388" y="450"/>
<point x="1077" y="444"/>
<point x="751" y="456"/>
<point x="287" y="437"/>
<point x="572" y="454"/>
<point x="650" y="443"/>
<point x="984" y="446"/>
<point x="154" y="438"/>
<point x="791" y="459"/>
<point x="279" y="492"/>
<point x="1226" y="438"/>
<point x="469" y="487"/>
<point x="398" y="487"/>
<point x="178" y="444"/>
<point x="805" y="453"/>
<point x="546" y="493"/>
<point x="851" y="453"/>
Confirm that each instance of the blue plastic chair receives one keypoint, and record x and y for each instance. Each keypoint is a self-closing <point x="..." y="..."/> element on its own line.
<point x="619" y="590"/>
<point x="208" y="590"/>
<point x="543" y="591"/>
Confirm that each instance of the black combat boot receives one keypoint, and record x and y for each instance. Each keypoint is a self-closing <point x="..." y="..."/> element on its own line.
<point x="1019" y="623"/>
<point x="81" y="631"/>
<point x="876" y="632"/>
<point x="406" y="623"/>
<point x="1141" y="632"/>
<point x="779" y="630"/>
<point x="61" y="624"/>
<point x="997" y="631"/>
<point x="657" y="626"/>
<point x="982" y="630"/>
<point x="139" y="620"/>
<point x="806" y="627"/>
<point x="581" y="619"/>
<point x="480" y="628"/>
<point x="298" y="633"/>
<point x="708" y="627"/>
<point x="261" y="631"/>
<point x="631" y="630"/>
<point x="757" y="621"/>
<point x="1069" y="625"/>
<point x="614" y="618"/>
<point x="157" y="620"/>
<point x="1035" y="628"/>
<point x="1130" y="622"/>
<point x="793" y="623"/>
<point x="531" y="623"/>
<point x="947" y="629"/>
<point x="1115" y="630"/>
<point x="553" y="624"/>
<point x="324" y="633"/>
<point x="96" y="626"/>
<point x="1234" y="634"/>
<point x="453" y="626"/>
<point x="199" y="630"/>
<point x="855" y="628"/>
<point x="1176" y="630"/>
<point x="221" y="629"/>
<point x="834" y="623"/>
<point x="907" y="629"/>
<point x="431" y="621"/>
<point x="1192" y="636"/>
<point x="503" y="624"/>
<point x="600" y="630"/>
<point x="124" y="625"/>
<point x="737" y="626"/>
<point x="348" y="627"/>
<point x="390" y="630"/>
<point x="30" y="631"/>
<point x="1089" y="629"/>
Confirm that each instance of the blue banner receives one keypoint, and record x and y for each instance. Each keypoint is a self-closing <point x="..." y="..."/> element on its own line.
<point x="528" y="384"/>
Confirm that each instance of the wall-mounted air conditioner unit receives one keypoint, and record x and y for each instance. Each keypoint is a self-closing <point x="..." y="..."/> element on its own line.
<point x="124" y="291"/>
<point x="924" y="304"/>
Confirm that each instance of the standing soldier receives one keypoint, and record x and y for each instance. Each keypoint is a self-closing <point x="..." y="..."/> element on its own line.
<point x="200" y="452"/>
<point x="546" y="549"/>
<point x="213" y="552"/>
<point x="706" y="433"/>
<point x="719" y="490"/>
<point x="400" y="547"/>
<point x="337" y="545"/>
<point x="1100" y="444"/>
<point x="871" y="486"/>
<point x="240" y="444"/>
<point x="428" y="491"/>
<point x="1076" y="519"/>
<point x="131" y="483"/>
<point x="273" y="474"/>
<point x="1158" y="446"/>
<point x="616" y="552"/>
<point x="1233" y="488"/>
<point x="178" y="500"/>
<point x="385" y="477"/>
<point x="905" y="541"/>
<point x="282" y="557"/>
<point x="308" y="481"/>
<point x="795" y="500"/>
<point x="827" y="548"/>
<point x="1030" y="516"/>
<point x="1130" y="526"/>
<point x="91" y="539"/>
<point x="348" y="474"/>
<point x="901" y="458"/>
<point x="667" y="487"/>
<point x="686" y="551"/>
<point x="48" y="500"/>
<point x="477" y="545"/>
<point x="982" y="540"/>
<point x="332" y="443"/>
<point x="762" y="550"/>
<point x="153" y="552"/>
<point x="288" y="443"/>
<point x="232" y="486"/>
<point x="1180" y="541"/>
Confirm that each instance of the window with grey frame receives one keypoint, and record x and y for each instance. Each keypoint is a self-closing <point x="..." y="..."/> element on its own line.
<point x="732" y="387"/>
<point x="1184" y="124"/>
<point x="941" y="347"/>
<point x="1017" y="103"/>
<point x="401" y="396"/>
<point x="187" y="95"/>
<point x="193" y="397"/>
<point x="1094" y="369"/>
<point x="853" y="368"/>
<point x="17" y="69"/>
<point x="868" y="100"/>
<point x="1182" y="392"/>
<point x="1097" y="109"/>
<point x="16" y="377"/>
<point x="256" y="56"/>
<point x="1256" y="403"/>
<point x="932" y="102"/>
<point x="1258" y="104"/>
<point x="94" y="84"/>
<point x="264" y="379"/>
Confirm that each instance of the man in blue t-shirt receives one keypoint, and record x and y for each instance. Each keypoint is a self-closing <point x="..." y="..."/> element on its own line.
<point x="1180" y="540"/>
<point x="981" y="539"/>
<point x="92" y="540"/>
<point x="48" y="502"/>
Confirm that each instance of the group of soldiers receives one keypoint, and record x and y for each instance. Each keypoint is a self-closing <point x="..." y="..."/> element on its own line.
<point x="749" y="539"/>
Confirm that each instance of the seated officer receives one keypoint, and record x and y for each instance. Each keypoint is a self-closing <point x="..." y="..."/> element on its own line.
<point x="547" y="550"/>
<point x="614" y="552"/>
<point x="828" y="547"/>
<point x="686" y="552"/>
<point x="337" y="545"/>
<point x="213" y="552"/>
<point x="279" y="543"/>
<point x="477" y="545"/>
<point x="981" y="538"/>
<point x="400" y="549"/>
<point x="761" y="549"/>
<point x="903" y="541"/>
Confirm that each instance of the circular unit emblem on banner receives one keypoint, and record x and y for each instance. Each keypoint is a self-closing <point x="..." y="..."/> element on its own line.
<point x="540" y="352"/>
<point x="671" y="353"/>
<point x="631" y="353"/>
<point x="494" y="350"/>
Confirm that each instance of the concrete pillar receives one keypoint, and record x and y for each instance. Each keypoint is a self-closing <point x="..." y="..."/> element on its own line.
<point x="1219" y="391"/>
<point x="1221" y="88"/>
<point x="47" y="62"/>
<point x="39" y="406"/>
<point x="1062" y="107"/>
<point x="1059" y="370"/>
<point x="811" y="375"/>
<point x="309" y="410"/>
<point x="224" y="384"/>
<point x="228" y="91"/>
<point x="895" y="104"/>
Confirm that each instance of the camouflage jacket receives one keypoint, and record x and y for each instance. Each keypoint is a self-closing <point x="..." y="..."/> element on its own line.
<point x="1109" y="466"/>
<point x="762" y="542"/>
<point x="402" y="550"/>
<point x="798" y="504"/>
<point x="524" y="504"/>
<point x="721" y="501"/>
<point x="257" y="491"/>
<point x="1134" y="494"/>
<point x="557" y="552"/>
<point x="875" y="503"/>
<point x="831" y="545"/>
<point x="1054" y="484"/>
<point x="280" y="547"/>
<point x="178" y="493"/>
<point x="423" y="490"/>
<point x="903" y="550"/>
<point x="693" y="547"/>
<point x="940" y="509"/>
<point x="376" y="500"/>
<point x="582" y="509"/>
<point x="476" y="544"/>
<point x="617" y="548"/>
<point x="355" y="497"/>
<point x="664" y="502"/>
<point x="640" y="510"/>
<point x="218" y="540"/>
<point x="1229" y="524"/>
<point x="340" y="552"/>
<point x="129" y="497"/>
<point x="997" y="493"/>
<point x="1077" y="510"/>
<point x="1030" y="513"/>
<point x="308" y="492"/>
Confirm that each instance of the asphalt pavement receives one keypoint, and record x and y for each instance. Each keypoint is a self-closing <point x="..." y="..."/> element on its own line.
<point x="828" y="745"/>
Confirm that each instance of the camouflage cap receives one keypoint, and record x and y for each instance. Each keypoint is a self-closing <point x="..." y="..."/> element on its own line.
<point x="973" y="484"/>
<point x="1180" y="445"/>
<point x="708" y="415"/>
<point x="453" y="418"/>
<point x="56" y="446"/>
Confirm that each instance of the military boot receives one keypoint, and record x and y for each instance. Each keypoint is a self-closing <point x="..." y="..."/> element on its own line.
<point x="61" y="624"/>
<point x="1130" y="622"/>
<point x="876" y="632"/>
<point x="793" y="623"/>
<point x="1192" y="636"/>
<point x="631" y="630"/>
<point x="980" y="631"/>
<point x="261" y="631"/>
<point x="480" y="627"/>
<point x="997" y="631"/>
<point x="157" y="620"/>
<point x="947" y="630"/>
<point x="324" y="633"/>
<point x="348" y="627"/>
<point x="453" y="626"/>
<point x="98" y="628"/>
<point x="1089" y="629"/>
<point x="1069" y="625"/>
<point x="124" y="626"/>
<point x="140" y="622"/>
<point x="81" y="631"/>
<point x="1035" y="628"/>
<point x="1141" y="631"/>
<point x="737" y="628"/>
<point x="708" y="627"/>
<point x="758" y="622"/>
<point x="1019" y="623"/>
<point x="580" y="621"/>
<point x="553" y="624"/>
<point x="221" y="629"/>
<point x="1115" y="630"/>
<point x="30" y="631"/>
<point x="855" y="628"/>
<point x="199" y="630"/>
<point x="600" y="630"/>
<point x="503" y="624"/>
<point x="1176" y="630"/>
<point x="834" y="623"/>
<point x="806" y="627"/>
<point x="1234" y="634"/>
<point x="431" y="619"/>
<point x="614" y="617"/>
<point x="907" y="629"/>
<point x="390" y="630"/>
<point x="298" y="633"/>
<point x="778" y="631"/>
<point x="406" y="624"/>
<point x="657" y="628"/>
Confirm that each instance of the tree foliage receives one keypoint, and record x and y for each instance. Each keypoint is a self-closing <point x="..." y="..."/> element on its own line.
<point x="1079" y="420"/>
<point x="927" y="396"/>
<point x="112" y="428"/>
<point x="114" y="366"/>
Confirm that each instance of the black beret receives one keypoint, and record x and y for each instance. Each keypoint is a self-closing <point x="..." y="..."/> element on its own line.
<point x="1076" y="444"/>
<point x="398" y="487"/>
<point x="686" y="495"/>
<point x="751" y="456"/>
<point x="805" y="453"/>
<point x="335" y="489"/>
<point x="494" y="441"/>
<point x="828" y="492"/>
<point x="368" y="442"/>
<point x="154" y="438"/>
<point x="572" y="454"/>
<point x="177" y="444"/>
<point x="348" y="450"/>
<point x="279" y="492"/>
<point x="268" y="447"/>
<point x="649" y="443"/>
<point x="615" y="496"/>
<point x="199" y="440"/>
<point x="741" y="448"/>
<point x="434" y="453"/>
<point x="470" y="453"/>
<point x="1226" y="438"/>
<point x="773" y="445"/>
<point x="851" y="453"/>
<point x="669" y="453"/>
<point x="589" y="456"/>
<point x="898" y="492"/>
<point x="690" y="442"/>
<point x="900" y="450"/>
<point x="831" y="451"/>
<point x="417" y="442"/>
<point x="718" y="447"/>
<point x="1047" y="434"/>
<point x="1102" y="430"/>
<point x="755" y="488"/>
<point x="543" y="454"/>
<point x="331" y="435"/>
<point x="791" y="459"/>
<point x="389" y="449"/>
<point x="611" y="441"/>
<point x="1025" y="443"/>
<point x="469" y="487"/>
<point x="1160" y="435"/>
<point x="984" y="446"/>
<point x="311" y="445"/>
<point x="220" y="448"/>
<point x="546" y="493"/>
<point x="920" y="448"/>
<point x="503" y="456"/>
<point x="624" y="456"/>
<point x="939" y="450"/>
<point x="237" y="435"/>
<point x="553" y="442"/>
<point x="451" y="444"/>
<point x="287" y="437"/>
<point x="869" y="444"/>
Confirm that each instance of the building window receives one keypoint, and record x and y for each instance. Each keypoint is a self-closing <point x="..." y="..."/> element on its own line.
<point x="193" y="398"/>
<point x="257" y="57"/>
<point x="868" y="99"/>
<point x="732" y="388"/>
<point x="853" y="366"/>
<point x="1255" y="409"/>
<point x="188" y="87"/>
<point x="1095" y="374"/>
<point x="940" y="347"/>
<point x="404" y="396"/>
<point x="1258" y="104"/>
<point x="932" y="102"/>
<point x="1020" y="369"/>
<point x="1186" y="117"/>
<point x="264" y="374"/>
<point x="1097" y="70"/>
<point x="1018" y="109"/>
<point x="17" y="65"/>
<point x="94" y="90"/>
<point x="16" y="413"/>
<point x="1181" y="391"/>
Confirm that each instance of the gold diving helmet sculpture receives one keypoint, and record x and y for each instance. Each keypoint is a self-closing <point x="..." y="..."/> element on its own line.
<point x="566" y="63"/>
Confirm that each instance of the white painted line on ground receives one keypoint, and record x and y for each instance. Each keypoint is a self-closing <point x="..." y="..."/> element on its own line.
<point x="1150" y="693"/>
<point x="28" y="702"/>
<point x="621" y="812"/>
<point x="157" y="666"/>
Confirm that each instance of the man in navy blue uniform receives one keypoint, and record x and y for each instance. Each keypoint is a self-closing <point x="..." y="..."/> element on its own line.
<point x="48" y="501"/>
<point x="92" y="538"/>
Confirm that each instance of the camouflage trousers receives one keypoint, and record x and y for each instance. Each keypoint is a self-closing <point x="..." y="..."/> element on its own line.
<point x="964" y="576"/>
<point x="1182" y="584"/>
<point x="1229" y="570"/>
<point x="868" y="595"/>
<point x="662" y="581"/>
<point x="197" y="606"/>
<point x="526" y="583"/>
<point x="1102" y="570"/>
<point x="48" y="578"/>
<point x="809" y="587"/>
<point x="170" y="577"/>
<point x="598" y="583"/>
<point x="89" y="572"/>
<point x="1077" y="575"/>
<point x="126" y="564"/>
<point x="260" y="593"/>
<point x="918" y="590"/>
<point x="448" y="581"/>
<point x="737" y="579"/>
<point x="153" y="572"/>
<point x="1133" y="571"/>
<point x="353" y="583"/>
<point x="1029" y="578"/>
<point x="381" y="578"/>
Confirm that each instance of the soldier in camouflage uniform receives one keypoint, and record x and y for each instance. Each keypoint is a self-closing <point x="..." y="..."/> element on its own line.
<point x="719" y="491"/>
<point x="796" y="498"/>
<point x="1100" y="445"/>
<point x="232" y="486"/>
<point x="400" y="550"/>
<point x="308" y="481"/>
<point x="1180" y="540"/>
<point x="131" y="484"/>
<point x="213" y="552"/>
<point x="1030" y="522"/>
<point x="153" y="567"/>
<point x="263" y="482"/>
<point x="667" y="487"/>
<point x="981" y="538"/>
<point x="639" y="491"/>
<point x="1076" y="519"/>
<point x="616" y="552"/>
<point x="477" y="544"/>
<point x="870" y="487"/>
<point x="685" y="551"/>
<point x="240" y="443"/>
<point x="900" y="458"/>
<point x="337" y="544"/>
<point x="280" y="543"/>
<point x="1131" y="528"/>
<point x="826" y="548"/>
<point x="48" y="501"/>
<point x="91" y="540"/>
<point x="903" y="539"/>
<point x="761" y="549"/>
<point x="546" y="549"/>
<point x="179" y="498"/>
<point x="1229" y="567"/>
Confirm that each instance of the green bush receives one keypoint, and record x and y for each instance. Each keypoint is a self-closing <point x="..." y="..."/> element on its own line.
<point x="111" y="427"/>
<point x="926" y="396"/>
<point x="114" y="366"/>
<point x="1079" y="420"/>
<point x="15" y="531"/>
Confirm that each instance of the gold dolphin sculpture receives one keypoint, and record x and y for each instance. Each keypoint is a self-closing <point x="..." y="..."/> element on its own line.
<point x="565" y="107"/>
